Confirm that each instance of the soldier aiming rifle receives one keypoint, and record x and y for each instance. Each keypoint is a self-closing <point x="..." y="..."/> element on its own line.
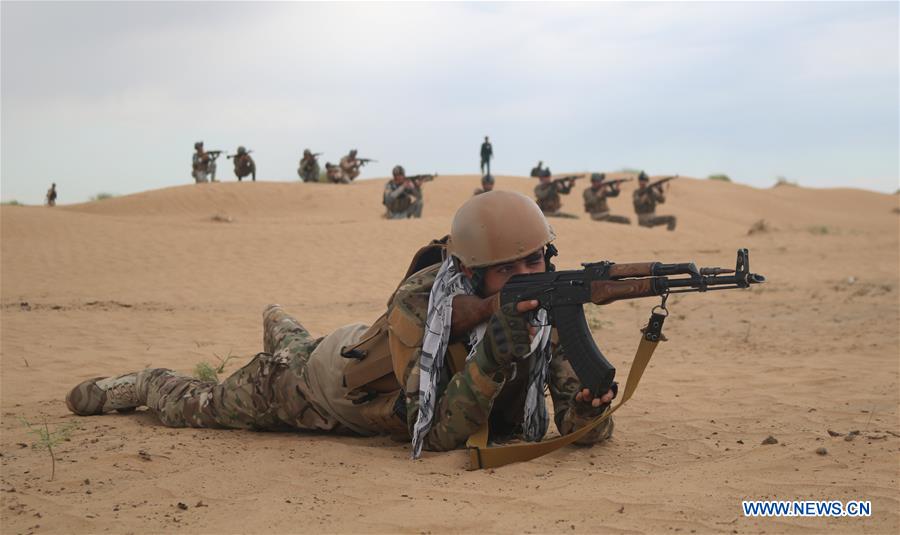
<point x="243" y="164"/>
<point x="595" y="198"/>
<point x="548" y="191"/>
<point x="308" y="170"/>
<point x="646" y="198"/>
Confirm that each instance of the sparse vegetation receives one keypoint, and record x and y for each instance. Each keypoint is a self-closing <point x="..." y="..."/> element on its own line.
<point x="629" y="170"/>
<point x="47" y="439"/>
<point x="819" y="230"/>
<point x="12" y="203"/>
<point x="222" y="218"/>
<point x="760" y="227"/>
<point x="207" y="372"/>
<point x="721" y="177"/>
<point x="323" y="176"/>
<point x="102" y="196"/>
<point x="782" y="181"/>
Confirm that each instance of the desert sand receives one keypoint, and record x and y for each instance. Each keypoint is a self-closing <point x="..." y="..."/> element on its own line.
<point x="155" y="279"/>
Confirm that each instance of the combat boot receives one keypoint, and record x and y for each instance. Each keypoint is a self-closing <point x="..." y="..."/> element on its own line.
<point x="104" y="394"/>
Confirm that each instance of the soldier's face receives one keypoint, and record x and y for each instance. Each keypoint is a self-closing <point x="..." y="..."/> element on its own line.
<point x="487" y="186"/>
<point x="496" y="276"/>
<point x="399" y="179"/>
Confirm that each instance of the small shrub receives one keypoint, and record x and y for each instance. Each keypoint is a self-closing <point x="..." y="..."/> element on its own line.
<point x="760" y="227"/>
<point x="102" y="196"/>
<point x="12" y="203"/>
<point x="782" y="181"/>
<point x="205" y="372"/>
<point x="47" y="439"/>
<point x="722" y="177"/>
<point x="222" y="218"/>
<point x="819" y="230"/>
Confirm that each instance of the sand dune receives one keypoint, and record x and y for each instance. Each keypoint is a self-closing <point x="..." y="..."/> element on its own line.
<point x="152" y="279"/>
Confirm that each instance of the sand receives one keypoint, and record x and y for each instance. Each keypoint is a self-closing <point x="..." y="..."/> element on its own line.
<point x="153" y="280"/>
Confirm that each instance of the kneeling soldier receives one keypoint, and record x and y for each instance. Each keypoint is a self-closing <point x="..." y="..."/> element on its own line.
<point x="595" y="200"/>
<point x="645" y="199"/>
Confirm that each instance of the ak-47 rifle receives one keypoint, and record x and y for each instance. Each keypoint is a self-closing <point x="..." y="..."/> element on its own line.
<point x="213" y="154"/>
<point x="230" y="156"/>
<point x="567" y="178"/>
<point x="661" y="181"/>
<point x="562" y="294"/>
<point x="615" y="182"/>
<point x="420" y="179"/>
<point x="364" y="161"/>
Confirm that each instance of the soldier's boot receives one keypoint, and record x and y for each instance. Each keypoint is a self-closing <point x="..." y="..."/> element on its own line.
<point x="671" y="224"/>
<point x="105" y="394"/>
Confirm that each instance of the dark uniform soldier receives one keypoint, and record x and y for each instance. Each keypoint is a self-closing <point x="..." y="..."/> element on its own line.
<point x="203" y="165"/>
<point x="645" y="200"/>
<point x="446" y="310"/>
<point x="487" y="184"/>
<point x="244" y="164"/>
<point x="309" y="167"/>
<point x="51" y="195"/>
<point x="595" y="200"/>
<point x="547" y="195"/>
<point x="487" y="153"/>
<point x="402" y="196"/>
<point x="539" y="170"/>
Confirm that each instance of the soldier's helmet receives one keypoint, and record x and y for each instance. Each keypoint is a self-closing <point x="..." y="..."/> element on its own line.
<point x="307" y="152"/>
<point x="353" y="153"/>
<point x="598" y="177"/>
<point x="242" y="150"/>
<point x="398" y="171"/>
<point x="487" y="179"/>
<point x="643" y="177"/>
<point x="496" y="227"/>
<point x="198" y="145"/>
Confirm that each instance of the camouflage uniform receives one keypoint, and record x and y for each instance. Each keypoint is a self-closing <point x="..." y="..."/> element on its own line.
<point x="51" y="195"/>
<point x="244" y="166"/>
<point x="350" y="167"/>
<point x="595" y="204"/>
<point x="401" y="202"/>
<point x="309" y="169"/>
<point x="298" y="383"/>
<point x="202" y="167"/>
<point x="645" y="200"/>
<point x="548" y="198"/>
<point x="335" y="174"/>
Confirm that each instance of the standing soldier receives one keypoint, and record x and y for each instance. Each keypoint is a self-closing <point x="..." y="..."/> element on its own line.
<point x="456" y="361"/>
<point x="547" y="194"/>
<point x="645" y="199"/>
<point x="309" y="166"/>
<point x="595" y="200"/>
<point x="487" y="184"/>
<point x="51" y="195"/>
<point x="244" y="164"/>
<point x="402" y="196"/>
<point x="487" y="153"/>
<point x="335" y="174"/>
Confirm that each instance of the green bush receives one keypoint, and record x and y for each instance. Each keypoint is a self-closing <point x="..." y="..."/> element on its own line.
<point x="102" y="196"/>
<point x="722" y="177"/>
<point x="12" y="203"/>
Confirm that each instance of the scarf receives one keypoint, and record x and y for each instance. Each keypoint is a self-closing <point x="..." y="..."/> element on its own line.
<point x="450" y="282"/>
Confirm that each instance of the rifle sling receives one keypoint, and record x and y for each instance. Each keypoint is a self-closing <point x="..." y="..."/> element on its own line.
<point x="481" y="456"/>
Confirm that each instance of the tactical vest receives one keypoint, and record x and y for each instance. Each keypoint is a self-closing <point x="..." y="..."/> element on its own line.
<point x="388" y="348"/>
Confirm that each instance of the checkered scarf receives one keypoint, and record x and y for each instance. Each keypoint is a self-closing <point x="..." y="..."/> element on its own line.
<point x="450" y="282"/>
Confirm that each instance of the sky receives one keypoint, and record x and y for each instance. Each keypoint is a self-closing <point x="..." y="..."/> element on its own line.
<point x="110" y="97"/>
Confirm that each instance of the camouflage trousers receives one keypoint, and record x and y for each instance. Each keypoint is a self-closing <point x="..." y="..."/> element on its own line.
<point x="609" y="218"/>
<point x="653" y="220"/>
<point x="295" y="383"/>
<point x="563" y="215"/>
<point x="414" y="210"/>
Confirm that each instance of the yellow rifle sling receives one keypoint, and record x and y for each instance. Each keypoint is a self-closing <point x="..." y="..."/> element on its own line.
<point x="481" y="456"/>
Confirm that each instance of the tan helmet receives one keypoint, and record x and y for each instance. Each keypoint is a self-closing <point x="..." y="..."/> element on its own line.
<point x="497" y="227"/>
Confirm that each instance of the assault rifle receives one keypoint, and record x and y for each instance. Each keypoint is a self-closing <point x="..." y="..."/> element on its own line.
<point x="364" y="161"/>
<point x="230" y="156"/>
<point x="616" y="181"/>
<point x="566" y="178"/>
<point x="214" y="153"/>
<point x="562" y="294"/>
<point x="419" y="179"/>
<point x="661" y="181"/>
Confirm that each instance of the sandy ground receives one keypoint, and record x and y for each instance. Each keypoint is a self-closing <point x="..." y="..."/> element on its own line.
<point x="151" y="279"/>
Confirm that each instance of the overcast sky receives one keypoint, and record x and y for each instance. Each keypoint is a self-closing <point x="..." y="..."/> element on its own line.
<point x="110" y="97"/>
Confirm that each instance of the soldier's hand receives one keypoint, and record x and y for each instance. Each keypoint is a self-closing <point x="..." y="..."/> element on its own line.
<point x="506" y="339"/>
<point x="585" y="396"/>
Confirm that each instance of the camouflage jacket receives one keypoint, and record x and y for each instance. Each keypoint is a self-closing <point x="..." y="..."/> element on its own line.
<point x="547" y="196"/>
<point x="645" y="200"/>
<point x="595" y="200"/>
<point x="200" y="161"/>
<point x="244" y="165"/>
<point x="397" y="197"/>
<point x="467" y="399"/>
